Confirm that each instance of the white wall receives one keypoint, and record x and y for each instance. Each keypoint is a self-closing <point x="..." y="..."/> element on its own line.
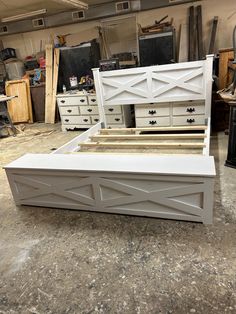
<point x="29" y="43"/>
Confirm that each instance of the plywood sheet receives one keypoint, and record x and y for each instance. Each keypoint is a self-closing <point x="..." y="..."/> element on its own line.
<point x="20" y="108"/>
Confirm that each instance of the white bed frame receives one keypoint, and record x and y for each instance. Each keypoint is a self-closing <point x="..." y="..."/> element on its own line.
<point x="165" y="186"/>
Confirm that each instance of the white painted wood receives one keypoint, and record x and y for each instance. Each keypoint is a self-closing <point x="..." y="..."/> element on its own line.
<point x="89" y="110"/>
<point x="189" y="120"/>
<point x="92" y="99"/>
<point x="152" y="122"/>
<point x="190" y="108"/>
<point x="168" y="82"/>
<point x="137" y="163"/>
<point x="206" y="150"/>
<point x="99" y="93"/>
<point x="69" y="110"/>
<point x="152" y="110"/>
<point x="95" y="119"/>
<point x="208" y="80"/>
<point x="75" y="120"/>
<point x="114" y="119"/>
<point x="165" y="186"/>
<point x="172" y="197"/>
<point x="113" y="110"/>
<point x="72" y="100"/>
<point x="72" y="146"/>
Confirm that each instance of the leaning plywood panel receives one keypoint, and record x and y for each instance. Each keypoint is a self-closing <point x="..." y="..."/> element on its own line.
<point x="20" y="108"/>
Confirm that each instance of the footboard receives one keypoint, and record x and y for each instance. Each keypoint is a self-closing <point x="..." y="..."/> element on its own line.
<point x="164" y="186"/>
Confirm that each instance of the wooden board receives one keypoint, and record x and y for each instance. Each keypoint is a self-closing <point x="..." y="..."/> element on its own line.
<point x="191" y="41"/>
<point x="54" y="85"/>
<point x="119" y="145"/>
<point x="213" y="35"/>
<point x="201" y="52"/>
<point x="20" y="108"/>
<point x="147" y="136"/>
<point x="49" y="83"/>
<point x="154" y="129"/>
<point x="183" y="43"/>
<point x="29" y="100"/>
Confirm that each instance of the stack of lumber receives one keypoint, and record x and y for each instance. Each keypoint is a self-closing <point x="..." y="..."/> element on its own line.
<point x="196" y="49"/>
<point x="168" y="140"/>
<point x="52" y="65"/>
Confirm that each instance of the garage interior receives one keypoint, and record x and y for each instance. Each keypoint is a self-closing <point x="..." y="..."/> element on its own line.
<point x="59" y="260"/>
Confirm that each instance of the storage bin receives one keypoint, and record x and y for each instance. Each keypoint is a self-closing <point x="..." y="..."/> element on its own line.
<point x="7" y="54"/>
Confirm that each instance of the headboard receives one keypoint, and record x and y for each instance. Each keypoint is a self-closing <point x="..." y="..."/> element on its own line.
<point x="155" y="84"/>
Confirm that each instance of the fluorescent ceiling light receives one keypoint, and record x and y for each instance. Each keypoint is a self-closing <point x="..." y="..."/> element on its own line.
<point x="75" y="3"/>
<point x="23" y="16"/>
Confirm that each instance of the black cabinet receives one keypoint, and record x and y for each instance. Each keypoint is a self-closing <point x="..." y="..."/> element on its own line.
<point x="231" y="157"/>
<point x="77" y="61"/>
<point x="157" y="48"/>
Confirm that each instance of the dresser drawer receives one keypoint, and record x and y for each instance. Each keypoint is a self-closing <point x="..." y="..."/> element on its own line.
<point x="152" y="110"/>
<point x="152" y="122"/>
<point x="92" y="100"/>
<point x="69" y="110"/>
<point x="88" y="110"/>
<point x="76" y="120"/>
<point x="95" y="119"/>
<point x="72" y="101"/>
<point x="114" y="119"/>
<point x="113" y="109"/>
<point x="189" y="120"/>
<point x="188" y="108"/>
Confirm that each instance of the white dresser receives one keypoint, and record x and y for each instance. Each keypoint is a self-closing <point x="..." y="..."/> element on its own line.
<point x="170" y="114"/>
<point x="80" y="111"/>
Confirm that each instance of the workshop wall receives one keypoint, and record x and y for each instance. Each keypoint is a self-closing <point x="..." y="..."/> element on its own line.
<point x="29" y="43"/>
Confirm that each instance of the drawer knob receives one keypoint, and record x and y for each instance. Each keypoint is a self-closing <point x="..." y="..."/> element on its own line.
<point x="63" y="101"/>
<point x="152" y="111"/>
<point x="117" y="119"/>
<point x="82" y="100"/>
<point x="85" y="120"/>
<point x="190" y="110"/>
<point x="93" y="100"/>
<point x="89" y="110"/>
<point x="111" y="109"/>
<point x="152" y="122"/>
<point x="67" y="120"/>
<point x="96" y="120"/>
<point x="190" y="120"/>
<point x="69" y="111"/>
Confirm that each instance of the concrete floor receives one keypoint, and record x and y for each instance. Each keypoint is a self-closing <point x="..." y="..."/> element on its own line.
<point x="62" y="261"/>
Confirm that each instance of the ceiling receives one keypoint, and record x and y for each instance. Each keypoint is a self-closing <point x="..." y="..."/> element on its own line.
<point x="15" y="7"/>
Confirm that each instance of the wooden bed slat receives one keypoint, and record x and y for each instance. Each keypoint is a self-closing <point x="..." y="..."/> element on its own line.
<point x="177" y="128"/>
<point x="147" y="136"/>
<point x="142" y="145"/>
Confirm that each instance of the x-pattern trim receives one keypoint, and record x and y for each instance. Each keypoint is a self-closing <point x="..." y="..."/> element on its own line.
<point x="132" y="194"/>
<point x="147" y="91"/>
